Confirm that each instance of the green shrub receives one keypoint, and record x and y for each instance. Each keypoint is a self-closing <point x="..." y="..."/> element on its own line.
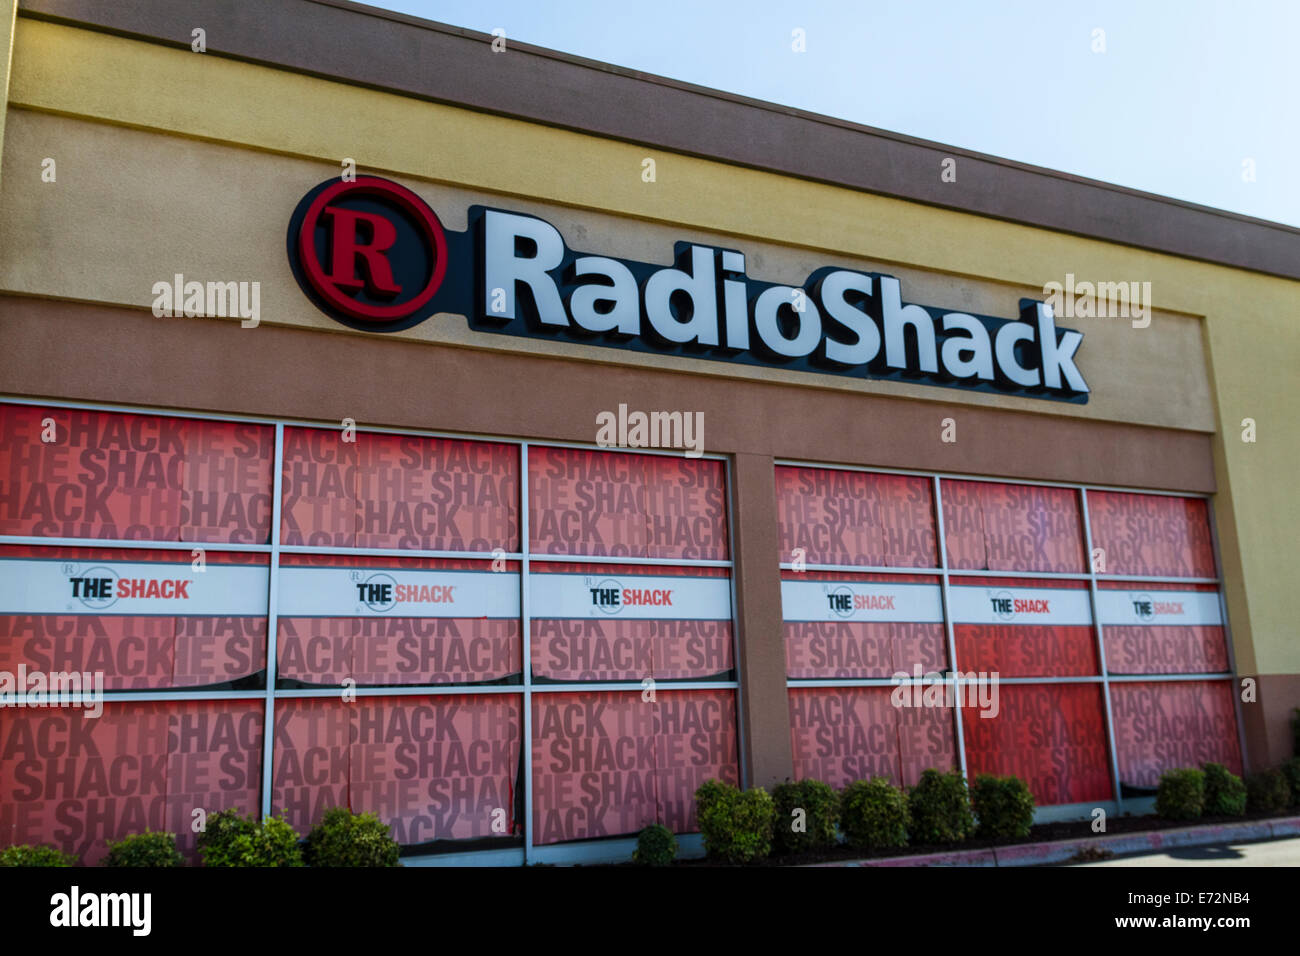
<point x="820" y="806"/>
<point x="736" y="825"/>
<point x="655" y="846"/>
<point x="940" y="808"/>
<point x="24" y="854"/>
<point x="1295" y="731"/>
<point x="344" y="838"/>
<point x="711" y="792"/>
<point x="1267" y="792"/>
<point x="232" y="840"/>
<point x="1181" y="794"/>
<point x="272" y="843"/>
<point x="1225" y="793"/>
<point x="1291" y="770"/>
<point x="219" y="831"/>
<point x="144" y="849"/>
<point x="874" y="814"/>
<point x="1004" y="807"/>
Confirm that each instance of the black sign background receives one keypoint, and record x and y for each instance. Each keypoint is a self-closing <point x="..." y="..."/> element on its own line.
<point x="462" y="293"/>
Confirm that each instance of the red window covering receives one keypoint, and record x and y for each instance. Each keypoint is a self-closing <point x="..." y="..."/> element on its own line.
<point x="134" y="476"/>
<point x="1156" y="535"/>
<point x="1052" y="736"/>
<point x="77" y="782"/>
<point x="1026" y="650"/>
<point x="423" y="640"/>
<point x="432" y="768"/>
<point x="687" y="636"/>
<point x="1164" y="725"/>
<point x="853" y="733"/>
<point x="997" y="526"/>
<point x="1063" y="645"/>
<point x="1162" y="646"/>
<point x="169" y="643"/>
<point x="398" y="491"/>
<point x="853" y="517"/>
<point x="826" y="646"/>
<point x="615" y="504"/>
<point x="609" y="763"/>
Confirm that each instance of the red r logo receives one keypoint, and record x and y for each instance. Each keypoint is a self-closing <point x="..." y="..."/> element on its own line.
<point x="347" y="246"/>
<point x="365" y="226"/>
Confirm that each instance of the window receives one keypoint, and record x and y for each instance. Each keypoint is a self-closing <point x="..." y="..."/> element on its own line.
<point x="655" y="616"/>
<point x="375" y="614"/>
<point x="1017" y="590"/>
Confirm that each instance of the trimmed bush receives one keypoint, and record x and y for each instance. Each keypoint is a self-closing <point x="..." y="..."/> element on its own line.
<point x="1267" y="792"/>
<point x="1225" y="793"/>
<point x="344" y="838"/>
<point x="655" y="846"/>
<point x="1004" y="807"/>
<point x="272" y="842"/>
<point x="940" y="808"/>
<point x="736" y="825"/>
<point x="1181" y="794"/>
<point x="1291" y="770"/>
<point x="144" y="849"/>
<point x="24" y="854"/>
<point x="820" y="805"/>
<point x="711" y="792"/>
<point x="874" y="814"/>
<point x="232" y="840"/>
<point x="220" y="830"/>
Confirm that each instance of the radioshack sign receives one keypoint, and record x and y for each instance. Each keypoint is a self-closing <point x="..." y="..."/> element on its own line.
<point x="372" y="255"/>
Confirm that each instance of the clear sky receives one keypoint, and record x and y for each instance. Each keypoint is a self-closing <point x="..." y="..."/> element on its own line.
<point x="1190" y="98"/>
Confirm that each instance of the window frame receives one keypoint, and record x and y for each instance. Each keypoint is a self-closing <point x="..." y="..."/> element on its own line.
<point x="946" y="576"/>
<point x="529" y="852"/>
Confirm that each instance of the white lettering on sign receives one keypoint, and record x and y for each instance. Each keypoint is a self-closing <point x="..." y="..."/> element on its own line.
<point x="844" y="319"/>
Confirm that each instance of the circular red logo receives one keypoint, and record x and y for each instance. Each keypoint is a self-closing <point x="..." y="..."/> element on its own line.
<point x="385" y="251"/>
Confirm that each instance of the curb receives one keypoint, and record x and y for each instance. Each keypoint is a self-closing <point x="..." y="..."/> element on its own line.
<point x="1059" y="851"/>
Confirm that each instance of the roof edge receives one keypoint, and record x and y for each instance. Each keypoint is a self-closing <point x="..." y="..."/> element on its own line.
<point x="355" y="43"/>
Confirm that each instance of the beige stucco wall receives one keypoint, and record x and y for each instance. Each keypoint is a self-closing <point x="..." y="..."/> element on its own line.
<point x="144" y="206"/>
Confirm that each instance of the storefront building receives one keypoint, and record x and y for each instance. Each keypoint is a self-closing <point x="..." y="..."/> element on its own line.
<point x="506" y="443"/>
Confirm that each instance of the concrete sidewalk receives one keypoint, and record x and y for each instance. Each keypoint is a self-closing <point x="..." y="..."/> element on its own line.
<point x="1061" y="851"/>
